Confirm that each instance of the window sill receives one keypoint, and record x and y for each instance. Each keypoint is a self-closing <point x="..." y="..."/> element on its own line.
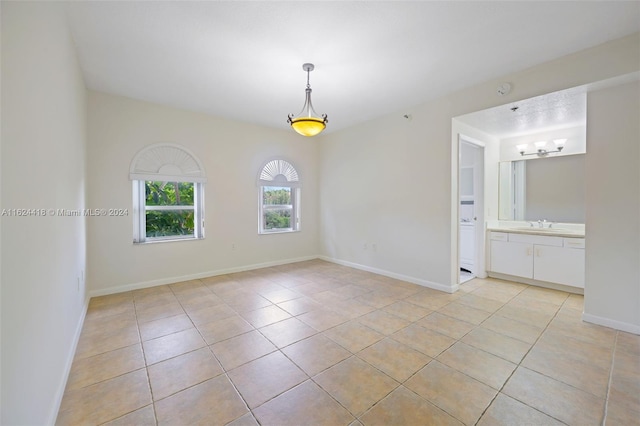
<point x="165" y="240"/>
<point x="279" y="231"/>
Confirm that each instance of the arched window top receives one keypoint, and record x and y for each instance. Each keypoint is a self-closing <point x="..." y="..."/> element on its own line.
<point x="166" y="162"/>
<point x="279" y="172"/>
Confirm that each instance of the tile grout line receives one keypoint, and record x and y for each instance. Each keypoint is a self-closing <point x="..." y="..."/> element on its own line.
<point x="309" y="378"/>
<point x="475" y="327"/>
<point x="357" y="418"/>
<point x="613" y="358"/>
<point x="441" y="352"/>
<point x="225" y="372"/>
<point x="144" y="358"/>
<point x="519" y="364"/>
<point x="278" y="349"/>
<point x="434" y="358"/>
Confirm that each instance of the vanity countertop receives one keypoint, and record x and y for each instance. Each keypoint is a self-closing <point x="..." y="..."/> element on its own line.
<point x="553" y="232"/>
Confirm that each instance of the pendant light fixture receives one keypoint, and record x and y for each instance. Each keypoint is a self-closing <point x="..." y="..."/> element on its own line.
<point x="308" y="122"/>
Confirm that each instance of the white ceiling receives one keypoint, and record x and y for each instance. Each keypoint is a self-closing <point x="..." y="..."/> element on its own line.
<point x="567" y="108"/>
<point x="243" y="60"/>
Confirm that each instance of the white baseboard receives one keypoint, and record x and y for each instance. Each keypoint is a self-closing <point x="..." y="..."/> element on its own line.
<point x="607" y="322"/>
<point x="424" y="283"/>
<point x="537" y="283"/>
<point x="177" y="279"/>
<point x="67" y="368"/>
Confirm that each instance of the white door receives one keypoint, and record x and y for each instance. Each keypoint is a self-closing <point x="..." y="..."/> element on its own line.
<point x="471" y="206"/>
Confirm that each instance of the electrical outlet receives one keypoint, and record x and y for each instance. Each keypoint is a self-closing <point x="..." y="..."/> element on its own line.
<point x="233" y="246"/>
<point x="364" y="246"/>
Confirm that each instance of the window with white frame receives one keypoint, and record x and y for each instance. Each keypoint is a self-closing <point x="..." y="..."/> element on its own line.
<point x="279" y="198"/>
<point x="168" y="194"/>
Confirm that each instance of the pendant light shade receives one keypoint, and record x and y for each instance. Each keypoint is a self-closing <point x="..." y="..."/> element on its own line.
<point x="308" y="122"/>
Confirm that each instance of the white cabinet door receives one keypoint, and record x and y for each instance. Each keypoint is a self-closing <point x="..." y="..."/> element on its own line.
<point x="562" y="265"/>
<point x="512" y="258"/>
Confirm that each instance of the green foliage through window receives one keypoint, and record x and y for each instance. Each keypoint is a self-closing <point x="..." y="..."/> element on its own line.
<point x="277" y="207"/>
<point x="276" y="195"/>
<point x="165" y="194"/>
<point x="277" y="219"/>
<point x="163" y="218"/>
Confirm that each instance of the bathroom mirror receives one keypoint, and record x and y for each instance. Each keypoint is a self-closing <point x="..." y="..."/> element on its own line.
<point x="550" y="188"/>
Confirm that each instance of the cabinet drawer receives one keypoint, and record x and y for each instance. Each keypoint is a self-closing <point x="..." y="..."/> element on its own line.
<point x="536" y="239"/>
<point x="499" y="236"/>
<point x="574" y="242"/>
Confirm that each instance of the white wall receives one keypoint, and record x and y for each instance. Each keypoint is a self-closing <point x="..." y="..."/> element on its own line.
<point x="232" y="154"/>
<point x="612" y="288"/>
<point x="43" y="150"/>
<point x="382" y="185"/>
<point x="390" y="181"/>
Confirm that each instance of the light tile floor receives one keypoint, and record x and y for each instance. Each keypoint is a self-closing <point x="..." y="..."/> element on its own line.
<point x="315" y="343"/>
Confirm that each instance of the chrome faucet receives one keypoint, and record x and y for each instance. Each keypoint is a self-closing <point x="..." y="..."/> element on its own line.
<point x="542" y="222"/>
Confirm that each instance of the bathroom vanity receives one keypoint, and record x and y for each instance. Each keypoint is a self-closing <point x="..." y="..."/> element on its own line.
<point x="540" y="256"/>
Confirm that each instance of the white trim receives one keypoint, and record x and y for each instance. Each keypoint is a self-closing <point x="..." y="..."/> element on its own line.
<point x="537" y="283"/>
<point x="166" y="178"/>
<point x="154" y="161"/>
<point x="169" y="207"/>
<point x="519" y="188"/>
<point x="479" y="266"/>
<point x="270" y="182"/>
<point x="607" y="322"/>
<point x="421" y="282"/>
<point x="57" y="401"/>
<point x="177" y="279"/>
<point x="471" y="140"/>
<point x="457" y="139"/>
<point x="454" y="199"/>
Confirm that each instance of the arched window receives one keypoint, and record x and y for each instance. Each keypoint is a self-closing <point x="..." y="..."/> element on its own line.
<point x="279" y="198"/>
<point x="168" y="194"/>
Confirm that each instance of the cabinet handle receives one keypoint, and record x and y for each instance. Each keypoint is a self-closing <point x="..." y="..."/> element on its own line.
<point x="528" y="251"/>
<point x="537" y="252"/>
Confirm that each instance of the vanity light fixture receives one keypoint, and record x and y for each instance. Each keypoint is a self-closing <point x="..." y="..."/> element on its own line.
<point x="541" y="150"/>
<point x="308" y="122"/>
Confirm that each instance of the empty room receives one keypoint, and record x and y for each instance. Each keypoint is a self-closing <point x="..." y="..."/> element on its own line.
<point x="320" y="213"/>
